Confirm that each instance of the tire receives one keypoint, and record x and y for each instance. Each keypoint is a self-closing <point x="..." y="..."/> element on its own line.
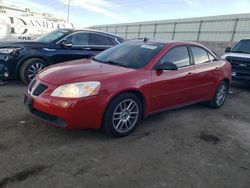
<point x="220" y="95"/>
<point x="119" y="122"/>
<point x="31" y="67"/>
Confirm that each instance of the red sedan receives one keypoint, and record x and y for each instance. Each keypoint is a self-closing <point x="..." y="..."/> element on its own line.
<point x="120" y="86"/>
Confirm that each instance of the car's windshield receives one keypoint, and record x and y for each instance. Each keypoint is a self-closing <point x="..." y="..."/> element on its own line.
<point x="131" y="54"/>
<point x="52" y="36"/>
<point x="242" y="47"/>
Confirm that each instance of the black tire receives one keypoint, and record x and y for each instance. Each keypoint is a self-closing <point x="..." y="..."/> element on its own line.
<point x="215" y="102"/>
<point x="108" y="123"/>
<point x="27" y="65"/>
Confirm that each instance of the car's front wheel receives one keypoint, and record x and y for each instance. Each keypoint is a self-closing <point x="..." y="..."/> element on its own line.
<point x="30" y="68"/>
<point x="220" y="95"/>
<point x="122" y="115"/>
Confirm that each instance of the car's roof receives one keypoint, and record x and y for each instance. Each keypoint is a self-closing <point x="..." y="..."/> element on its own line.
<point x="244" y="39"/>
<point x="92" y="30"/>
<point x="166" y="42"/>
<point x="172" y="43"/>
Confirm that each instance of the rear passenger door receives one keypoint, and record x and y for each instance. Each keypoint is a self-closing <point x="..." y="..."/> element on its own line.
<point x="101" y="42"/>
<point x="206" y="72"/>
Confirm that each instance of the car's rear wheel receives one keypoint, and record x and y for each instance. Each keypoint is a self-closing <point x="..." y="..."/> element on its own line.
<point x="122" y="115"/>
<point x="30" y="68"/>
<point x="220" y="95"/>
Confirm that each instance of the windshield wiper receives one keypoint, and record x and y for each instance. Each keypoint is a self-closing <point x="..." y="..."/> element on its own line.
<point x="115" y="63"/>
<point x="110" y="62"/>
<point x="96" y="59"/>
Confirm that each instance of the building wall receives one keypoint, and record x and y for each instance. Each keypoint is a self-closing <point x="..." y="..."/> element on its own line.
<point x="228" y="28"/>
<point x="22" y="24"/>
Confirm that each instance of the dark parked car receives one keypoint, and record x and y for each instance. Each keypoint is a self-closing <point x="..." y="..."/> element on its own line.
<point x="24" y="59"/>
<point x="239" y="57"/>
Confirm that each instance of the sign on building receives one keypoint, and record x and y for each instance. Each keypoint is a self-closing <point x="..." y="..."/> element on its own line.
<point x="17" y="24"/>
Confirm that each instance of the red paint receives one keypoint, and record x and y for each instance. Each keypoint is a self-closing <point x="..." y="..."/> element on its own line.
<point x="161" y="89"/>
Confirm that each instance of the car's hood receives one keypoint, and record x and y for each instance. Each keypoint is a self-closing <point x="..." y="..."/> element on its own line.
<point x="79" y="70"/>
<point x="240" y="55"/>
<point x="30" y="44"/>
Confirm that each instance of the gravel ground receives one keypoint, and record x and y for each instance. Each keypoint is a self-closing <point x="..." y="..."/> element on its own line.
<point x="195" y="146"/>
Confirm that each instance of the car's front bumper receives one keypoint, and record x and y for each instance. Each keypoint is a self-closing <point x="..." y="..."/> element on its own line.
<point x="240" y="68"/>
<point x="8" y="65"/>
<point x="67" y="113"/>
<point x="4" y="71"/>
<point x="241" y="76"/>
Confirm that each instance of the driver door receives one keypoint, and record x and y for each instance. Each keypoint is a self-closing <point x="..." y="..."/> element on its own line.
<point x="80" y="48"/>
<point x="173" y="88"/>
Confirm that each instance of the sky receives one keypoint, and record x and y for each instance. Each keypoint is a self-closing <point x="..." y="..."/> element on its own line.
<point x="85" y="13"/>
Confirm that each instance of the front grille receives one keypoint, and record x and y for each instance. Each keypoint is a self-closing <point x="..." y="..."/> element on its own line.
<point x="39" y="89"/>
<point x="49" y="118"/>
<point x="33" y="82"/>
<point x="239" y="63"/>
<point x="241" y="66"/>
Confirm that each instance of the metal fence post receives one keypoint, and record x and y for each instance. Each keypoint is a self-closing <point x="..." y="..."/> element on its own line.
<point x="199" y="30"/>
<point x="174" y="30"/>
<point x="155" y="29"/>
<point x="234" y="29"/>
<point x="116" y="29"/>
<point x="139" y="32"/>
<point x="126" y="32"/>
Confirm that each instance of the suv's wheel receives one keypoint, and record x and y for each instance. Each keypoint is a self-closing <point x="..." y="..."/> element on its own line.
<point x="122" y="115"/>
<point x="30" y="68"/>
<point x="220" y="95"/>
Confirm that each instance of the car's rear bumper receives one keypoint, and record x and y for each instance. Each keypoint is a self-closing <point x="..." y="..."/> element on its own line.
<point x="67" y="113"/>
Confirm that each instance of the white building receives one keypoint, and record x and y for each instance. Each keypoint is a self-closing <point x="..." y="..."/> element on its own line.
<point x="23" y="24"/>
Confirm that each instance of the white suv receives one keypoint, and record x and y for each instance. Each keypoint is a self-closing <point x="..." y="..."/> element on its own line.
<point x="239" y="57"/>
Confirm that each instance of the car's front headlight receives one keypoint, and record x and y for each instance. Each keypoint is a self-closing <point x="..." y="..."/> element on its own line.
<point x="77" y="90"/>
<point x="8" y="50"/>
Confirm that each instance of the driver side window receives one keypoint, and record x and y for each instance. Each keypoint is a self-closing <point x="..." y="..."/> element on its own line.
<point x="79" y="38"/>
<point x="177" y="55"/>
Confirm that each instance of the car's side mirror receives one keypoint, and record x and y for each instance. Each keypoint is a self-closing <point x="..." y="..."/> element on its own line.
<point x="228" y="49"/>
<point x="67" y="44"/>
<point x="167" y="66"/>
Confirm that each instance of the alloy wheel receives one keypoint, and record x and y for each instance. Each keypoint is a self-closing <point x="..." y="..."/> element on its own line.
<point x="125" y="115"/>
<point x="34" y="69"/>
<point x="221" y="95"/>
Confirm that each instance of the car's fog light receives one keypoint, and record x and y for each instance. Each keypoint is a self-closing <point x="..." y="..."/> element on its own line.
<point x="6" y="74"/>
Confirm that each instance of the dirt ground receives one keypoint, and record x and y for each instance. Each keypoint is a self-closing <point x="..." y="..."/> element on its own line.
<point x="195" y="146"/>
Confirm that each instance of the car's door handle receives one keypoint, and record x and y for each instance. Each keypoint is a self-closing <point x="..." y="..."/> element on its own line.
<point x="86" y="48"/>
<point x="190" y="73"/>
